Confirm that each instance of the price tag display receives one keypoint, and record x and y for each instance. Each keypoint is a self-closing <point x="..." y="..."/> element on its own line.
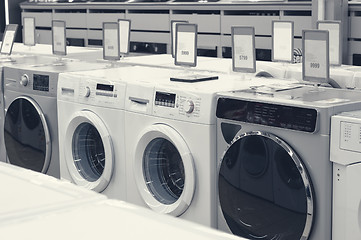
<point x="334" y="31"/>
<point x="186" y="45"/>
<point x="59" y="37"/>
<point x="124" y="35"/>
<point x="8" y="39"/>
<point x="29" y="31"/>
<point x="315" y="64"/>
<point x="111" y="41"/>
<point x="172" y="34"/>
<point x="243" y="49"/>
<point x="282" y="41"/>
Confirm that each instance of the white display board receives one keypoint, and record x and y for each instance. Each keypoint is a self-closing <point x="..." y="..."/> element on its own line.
<point x="282" y="41"/>
<point x="29" y="31"/>
<point x="186" y="45"/>
<point x="335" y="42"/>
<point x="315" y="61"/>
<point x="59" y="37"/>
<point x="173" y="24"/>
<point x="111" y="41"/>
<point x="124" y="36"/>
<point x="243" y="49"/>
<point x="8" y="39"/>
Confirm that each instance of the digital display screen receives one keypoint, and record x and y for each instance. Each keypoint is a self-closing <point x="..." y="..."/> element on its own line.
<point x="165" y="99"/>
<point x="105" y="87"/>
<point x="41" y="82"/>
<point x="289" y="117"/>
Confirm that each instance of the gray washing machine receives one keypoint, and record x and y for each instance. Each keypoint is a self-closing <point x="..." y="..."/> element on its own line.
<point x="6" y="61"/>
<point x="31" y="122"/>
<point x="277" y="143"/>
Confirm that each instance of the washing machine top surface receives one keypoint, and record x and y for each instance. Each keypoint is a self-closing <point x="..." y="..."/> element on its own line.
<point x="26" y="193"/>
<point x="298" y="94"/>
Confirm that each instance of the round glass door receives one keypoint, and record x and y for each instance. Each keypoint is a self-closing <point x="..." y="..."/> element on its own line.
<point x="272" y="197"/>
<point x="88" y="151"/>
<point x="164" y="170"/>
<point x="26" y="135"/>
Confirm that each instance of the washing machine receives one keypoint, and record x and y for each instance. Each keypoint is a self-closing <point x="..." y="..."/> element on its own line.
<point x="277" y="142"/>
<point x="30" y="122"/>
<point x="27" y="194"/>
<point x="15" y="60"/>
<point x="91" y="132"/>
<point x="345" y="154"/>
<point x="170" y="145"/>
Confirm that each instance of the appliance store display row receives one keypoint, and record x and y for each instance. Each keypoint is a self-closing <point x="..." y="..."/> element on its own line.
<point x="241" y="153"/>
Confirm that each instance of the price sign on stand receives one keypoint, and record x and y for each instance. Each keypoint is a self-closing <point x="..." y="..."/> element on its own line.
<point x="111" y="41"/>
<point x="315" y="61"/>
<point x="173" y="24"/>
<point x="243" y="49"/>
<point x="282" y="41"/>
<point x="29" y="31"/>
<point x="186" y="45"/>
<point x="8" y="39"/>
<point x="124" y="36"/>
<point x="335" y="44"/>
<point x="59" y="37"/>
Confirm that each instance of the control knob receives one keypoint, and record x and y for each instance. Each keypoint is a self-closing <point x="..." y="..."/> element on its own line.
<point x="87" y="92"/>
<point x="189" y="106"/>
<point x="24" y="80"/>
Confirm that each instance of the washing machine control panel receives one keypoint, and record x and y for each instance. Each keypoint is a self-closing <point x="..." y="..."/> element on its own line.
<point x="177" y="105"/>
<point x="34" y="82"/>
<point x="268" y="114"/>
<point x="104" y="93"/>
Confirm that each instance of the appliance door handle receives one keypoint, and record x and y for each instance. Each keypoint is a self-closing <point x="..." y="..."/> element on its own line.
<point x="139" y="100"/>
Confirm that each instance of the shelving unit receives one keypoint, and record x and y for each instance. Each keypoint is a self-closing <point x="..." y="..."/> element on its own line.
<point x="151" y="22"/>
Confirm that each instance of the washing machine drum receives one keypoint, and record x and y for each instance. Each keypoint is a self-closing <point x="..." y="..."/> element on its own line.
<point x="26" y="135"/>
<point x="272" y="196"/>
<point x="88" y="151"/>
<point x="164" y="170"/>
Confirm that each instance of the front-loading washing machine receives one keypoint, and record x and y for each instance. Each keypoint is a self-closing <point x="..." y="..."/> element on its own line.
<point x="91" y="133"/>
<point x="278" y="144"/>
<point x="27" y="194"/>
<point x="170" y="145"/>
<point x="15" y="60"/>
<point x="30" y="122"/>
<point x="345" y="154"/>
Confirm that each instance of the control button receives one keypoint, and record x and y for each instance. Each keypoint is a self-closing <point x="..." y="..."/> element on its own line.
<point x="24" y="80"/>
<point x="87" y="92"/>
<point x="189" y="106"/>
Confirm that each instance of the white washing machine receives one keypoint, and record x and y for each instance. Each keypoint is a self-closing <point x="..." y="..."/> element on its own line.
<point x="30" y="122"/>
<point x="116" y="219"/>
<point x="278" y="143"/>
<point x="170" y="145"/>
<point x="27" y="194"/>
<point x="345" y="154"/>
<point x="91" y="133"/>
